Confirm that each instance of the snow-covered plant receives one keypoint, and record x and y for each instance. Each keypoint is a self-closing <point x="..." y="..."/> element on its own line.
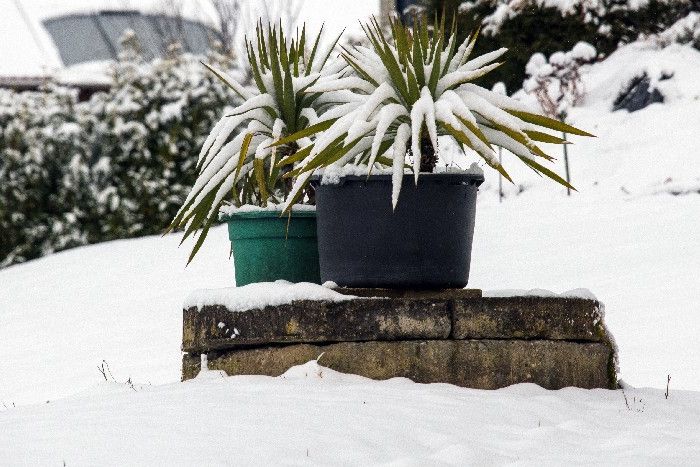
<point x="498" y="12"/>
<point x="239" y="160"/>
<point x="411" y="88"/>
<point x="44" y="193"/>
<point x="116" y="166"/>
<point x="557" y="83"/>
<point x="530" y="26"/>
<point x="611" y="18"/>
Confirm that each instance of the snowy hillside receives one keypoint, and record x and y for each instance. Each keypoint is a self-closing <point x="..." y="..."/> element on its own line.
<point x="644" y="152"/>
<point x="630" y="235"/>
<point x="117" y="301"/>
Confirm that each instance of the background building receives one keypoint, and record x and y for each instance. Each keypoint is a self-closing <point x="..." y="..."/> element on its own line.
<point x="73" y="42"/>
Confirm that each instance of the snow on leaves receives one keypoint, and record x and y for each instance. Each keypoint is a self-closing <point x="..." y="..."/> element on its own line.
<point x="240" y="156"/>
<point x="414" y="80"/>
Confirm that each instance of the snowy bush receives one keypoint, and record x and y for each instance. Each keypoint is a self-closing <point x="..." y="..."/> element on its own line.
<point x="530" y="26"/>
<point x="684" y="31"/>
<point x="557" y="83"/>
<point x="609" y="17"/>
<point x="145" y="134"/>
<point x="405" y="91"/>
<point x="117" y="166"/>
<point x="44" y="177"/>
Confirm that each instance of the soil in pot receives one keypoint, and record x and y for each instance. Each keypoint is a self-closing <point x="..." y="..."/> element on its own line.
<point x="268" y="247"/>
<point x="424" y="244"/>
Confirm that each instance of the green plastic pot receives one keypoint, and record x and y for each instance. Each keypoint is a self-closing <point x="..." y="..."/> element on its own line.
<point x="268" y="247"/>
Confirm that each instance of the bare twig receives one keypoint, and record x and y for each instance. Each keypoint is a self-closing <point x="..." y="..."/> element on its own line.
<point x="626" y="401"/>
<point x="228" y="14"/>
<point x="105" y="371"/>
<point x="130" y="383"/>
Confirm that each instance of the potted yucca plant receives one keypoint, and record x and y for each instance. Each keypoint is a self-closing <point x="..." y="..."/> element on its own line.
<point x="240" y="179"/>
<point x="400" y="94"/>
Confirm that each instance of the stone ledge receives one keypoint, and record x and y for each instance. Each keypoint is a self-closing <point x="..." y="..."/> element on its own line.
<point x="446" y="337"/>
<point x="481" y="364"/>
<point x="216" y="328"/>
<point x="390" y="319"/>
<point x="527" y="317"/>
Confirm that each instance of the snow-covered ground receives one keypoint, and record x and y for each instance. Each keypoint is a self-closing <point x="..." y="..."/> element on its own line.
<point x="623" y="236"/>
<point x="314" y="416"/>
<point x="118" y="301"/>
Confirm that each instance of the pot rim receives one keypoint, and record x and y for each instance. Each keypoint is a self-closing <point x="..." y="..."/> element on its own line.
<point x="266" y="214"/>
<point x="424" y="178"/>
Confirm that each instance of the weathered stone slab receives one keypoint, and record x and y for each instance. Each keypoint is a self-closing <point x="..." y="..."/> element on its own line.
<point x="443" y="294"/>
<point x="482" y="364"/>
<point x="215" y="327"/>
<point x="453" y="337"/>
<point x="557" y="318"/>
<point x="364" y="319"/>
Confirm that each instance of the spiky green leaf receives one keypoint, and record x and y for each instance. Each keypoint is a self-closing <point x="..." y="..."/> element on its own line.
<point x="546" y="122"/>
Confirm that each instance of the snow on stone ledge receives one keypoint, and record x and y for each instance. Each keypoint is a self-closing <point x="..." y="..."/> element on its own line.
<point x="575" y="293"/>
<point x="262" y="294"/>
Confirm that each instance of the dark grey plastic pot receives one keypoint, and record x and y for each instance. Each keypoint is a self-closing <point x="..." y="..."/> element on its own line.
<point x="424" y="244"/>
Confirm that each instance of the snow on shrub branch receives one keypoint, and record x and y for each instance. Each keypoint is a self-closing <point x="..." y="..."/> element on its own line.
<point x="557" y="83"/>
